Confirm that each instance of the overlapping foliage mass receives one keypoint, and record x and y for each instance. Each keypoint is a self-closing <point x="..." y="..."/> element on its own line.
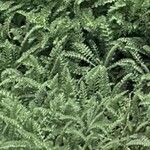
<point x="74" y="74"/>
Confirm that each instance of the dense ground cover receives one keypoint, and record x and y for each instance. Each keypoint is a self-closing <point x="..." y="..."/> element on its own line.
<point x="75" y="75"/>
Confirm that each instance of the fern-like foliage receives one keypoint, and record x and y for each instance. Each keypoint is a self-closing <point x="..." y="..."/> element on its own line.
<point x="75" y="75"/>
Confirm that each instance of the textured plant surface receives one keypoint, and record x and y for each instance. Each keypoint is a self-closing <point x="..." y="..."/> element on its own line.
<point x="75" y="75"/>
